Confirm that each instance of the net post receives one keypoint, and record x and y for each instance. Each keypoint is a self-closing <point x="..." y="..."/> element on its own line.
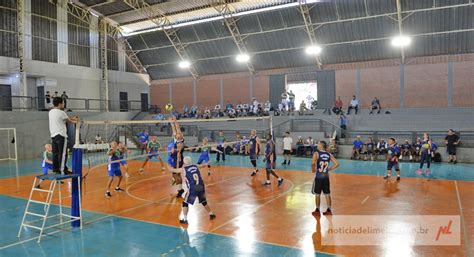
<point x="75" y="185"/>
<point x="271" y="126"/>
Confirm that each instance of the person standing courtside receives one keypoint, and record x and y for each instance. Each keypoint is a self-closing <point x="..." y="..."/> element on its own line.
<point x="57" y="128"/>
<point x="452" y="141"/>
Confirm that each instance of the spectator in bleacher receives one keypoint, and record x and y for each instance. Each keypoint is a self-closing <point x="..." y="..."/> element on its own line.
<point x="452" y="141"/>
<point x="354" y="104"/>
<point x="375" y="105"/>
<point x="55" y="94"/>
<point x="406" y="150"/>
<point x="64" y="97"/>
<point x="333" y="148"/>
<point x="337" y="109"/>
<point x="357" y="148"/>
<point x="229" y="106"/>
<point x="343" y="124"/>
<point x="309" y="101"/>
<point x="220" y="140"/>
<point x="310" y="143"/>
<point x="185" y="111"/>
<point x="207" y="113"/>
<point x="267" y="108"/>
<point x="302" y="108"/>
<point x="370" y="149"/>
<point x="47" y="97"/>
<point x="98" y="139"/>
<point x="300" y="146"/>
<point x="417" y="149"/>
<point x="291" y="104"/>
<point x="314" y="105"/>
<point x="231" y="113"/>
<point x="382" y="147"/>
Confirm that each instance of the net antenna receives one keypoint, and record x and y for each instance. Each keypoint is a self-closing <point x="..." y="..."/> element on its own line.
<point x="8" y="144"/>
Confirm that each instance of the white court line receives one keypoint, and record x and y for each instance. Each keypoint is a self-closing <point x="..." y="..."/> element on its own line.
<point x="466" y="240"/>
<point x="259" y="206"/>
<point x="365" y="200"/>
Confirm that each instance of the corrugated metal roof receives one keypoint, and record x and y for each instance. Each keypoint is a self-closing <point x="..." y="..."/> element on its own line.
<point x="276" y="39"/>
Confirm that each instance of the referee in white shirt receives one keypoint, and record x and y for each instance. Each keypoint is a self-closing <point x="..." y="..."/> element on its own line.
<point x="57" y="128"/>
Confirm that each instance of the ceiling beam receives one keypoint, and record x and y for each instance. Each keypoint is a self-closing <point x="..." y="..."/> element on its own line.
<point x="103" y="3"/>
<point x="226" y="11"/>
<point x="323" y="45"/>
<point x="310" y="28"/>
<point x="83" y="14"/>
<point x="400" y="27"/>
<point x="155" y="15"/>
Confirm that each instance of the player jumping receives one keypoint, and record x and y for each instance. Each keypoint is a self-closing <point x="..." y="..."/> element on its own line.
<point x="177" y="154"/>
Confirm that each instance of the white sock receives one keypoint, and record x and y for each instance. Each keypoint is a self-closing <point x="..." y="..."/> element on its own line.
<point x="180" y="186"/>
<point x="185" y="217"/>
<point x="268" y="181"/>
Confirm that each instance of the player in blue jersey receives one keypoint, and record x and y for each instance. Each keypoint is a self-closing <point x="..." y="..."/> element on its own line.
<point x="194" y="188"/>
<point x="47" y="163"/>
<point x="393" y="153"/>
<point x="123" y="152"/>
<point x="254" y="145"/>
<point x="321" y="166"/>
<point x="143" y="138"/>
<point x="113" y="168"/>
<point x="153" y="150"/>
<point x="177" y="154"/>
<point x="205" y="154"/>
<point x="270" y="161"/>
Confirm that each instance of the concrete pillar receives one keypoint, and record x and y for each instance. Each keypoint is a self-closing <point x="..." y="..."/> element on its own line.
<point x="62" y="35"/>
<point x="222" y="92"/>
<point x="402" y="86"/>
<point x="450" y="84"/>
<point x="94" y="42"/>
<point x="170" y="91"/>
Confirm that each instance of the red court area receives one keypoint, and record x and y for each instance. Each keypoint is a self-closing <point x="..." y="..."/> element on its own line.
<point x="251" y="212"/>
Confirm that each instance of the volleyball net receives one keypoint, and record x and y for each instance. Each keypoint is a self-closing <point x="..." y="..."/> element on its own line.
<point x="94" y="137"/>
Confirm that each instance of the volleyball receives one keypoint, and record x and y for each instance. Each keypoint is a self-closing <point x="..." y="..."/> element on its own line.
<point x="169" y="107"/>
<point x="426" y="146"/>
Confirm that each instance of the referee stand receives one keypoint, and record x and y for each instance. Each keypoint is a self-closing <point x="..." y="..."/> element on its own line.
<point x="56" y="180"/>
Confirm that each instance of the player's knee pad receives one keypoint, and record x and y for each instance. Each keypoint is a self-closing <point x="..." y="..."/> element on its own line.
<point x="204" y="203"/>
<point x="185" y="204"/>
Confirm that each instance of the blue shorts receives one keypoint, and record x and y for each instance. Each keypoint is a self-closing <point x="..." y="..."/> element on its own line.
<point x="253" y="157"/>
<point x="203" y="159"/>
<point x="45" y="167"/>
<point x="152" y="154"/>
<point x="270" y="165"/>
<point x="191" y="195"/>
<point x="391" y="164"/>
<point x="114" y="172"/>
<point x="123" y="162"/>
<point x="171" y="163"/>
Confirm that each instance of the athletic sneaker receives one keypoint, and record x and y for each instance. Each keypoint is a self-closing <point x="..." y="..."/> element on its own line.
<point x="280" y="181"/>
<point x="38" y="186"/>
<point x="450" y="161"/>
<point x="183" y="222"/>
<point x="454" y="162"/>
<point x="162" y="168"/>
<point x="427" y="172"/>
<point x="107" y="194"/>
<point x="267" y="183"/>
<point x="212" y="216"/>
<point x="327" y="212"/>
<point x="180" y="193"/>
<point x="418" y="172"/>
<point x="140" y="170"/>
<point x="398" y="178"/>
<point x="209" y="173"/>
<point x="289" y="163"/>
<point x="254" y="173"/>
<point x="386" y="177"/>
<point x="283" y="163"/>
<point x="118" y="189"/>
<point x="316" y="213"/>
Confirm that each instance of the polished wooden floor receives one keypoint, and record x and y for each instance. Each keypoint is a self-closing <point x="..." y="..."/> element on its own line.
<point x="250" y="212"/>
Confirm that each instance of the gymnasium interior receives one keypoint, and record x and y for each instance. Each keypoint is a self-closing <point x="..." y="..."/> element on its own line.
<point x="252" y="95"/>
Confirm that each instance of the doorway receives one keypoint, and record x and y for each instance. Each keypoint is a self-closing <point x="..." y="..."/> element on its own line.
<point x="123" y="101"/>
<point x="5" y="98"/>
